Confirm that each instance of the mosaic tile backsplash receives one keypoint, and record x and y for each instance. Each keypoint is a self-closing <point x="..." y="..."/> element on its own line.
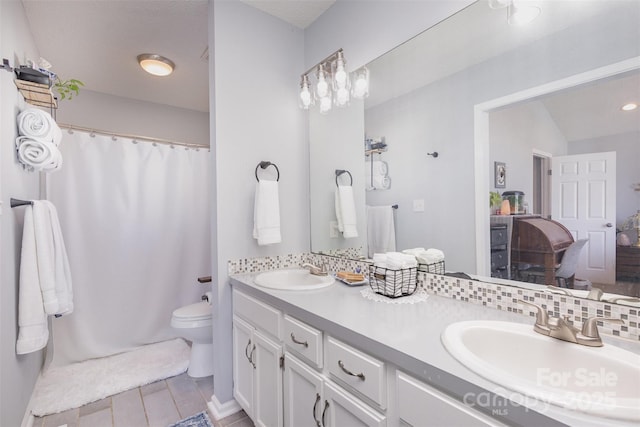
<point x="490" y="295"/>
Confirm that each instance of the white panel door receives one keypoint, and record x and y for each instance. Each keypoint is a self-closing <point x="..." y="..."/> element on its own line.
<point x="243" y="366"/>
<point x="267" y="403"/>
<point x="584" y="201"/>
<point x="302" y="394"/>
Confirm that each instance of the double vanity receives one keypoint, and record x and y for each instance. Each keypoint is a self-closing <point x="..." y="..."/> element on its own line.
<point x="311" y="351"/>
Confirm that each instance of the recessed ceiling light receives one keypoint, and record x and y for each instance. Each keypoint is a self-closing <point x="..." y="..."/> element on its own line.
<point x="629" y="107"/>
<point x="156" y="64"/>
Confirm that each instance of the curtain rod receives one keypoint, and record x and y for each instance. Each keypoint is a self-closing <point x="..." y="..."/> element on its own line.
<point x="130" y="136"/>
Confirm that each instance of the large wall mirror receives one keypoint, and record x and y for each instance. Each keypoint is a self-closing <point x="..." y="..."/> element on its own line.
<point x="570" y="70"/>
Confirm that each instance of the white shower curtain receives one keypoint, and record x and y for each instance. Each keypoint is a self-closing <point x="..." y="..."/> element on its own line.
<point x="135" y="219"/>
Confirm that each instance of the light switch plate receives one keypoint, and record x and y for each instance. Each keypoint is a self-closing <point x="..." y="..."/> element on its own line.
<point x="418" y="205"/>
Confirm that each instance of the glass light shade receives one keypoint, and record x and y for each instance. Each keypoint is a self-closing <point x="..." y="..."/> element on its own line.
<point x="306" y="98"/>
<point x="325" y="104"/>
<point x="360" y="88"/>
<point x="521" y="15"/>
<point x="342" y="97"/>
<point x="156" y="64"/>
<point x="340" y="76"/>
<point x="322" y="87"/>
<point x="629" y="107"/>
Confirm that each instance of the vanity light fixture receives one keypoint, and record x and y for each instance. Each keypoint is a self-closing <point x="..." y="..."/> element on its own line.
<point x="333" y="84"/>
<point x="155" y="64"/>
<point x="629" y="107"/>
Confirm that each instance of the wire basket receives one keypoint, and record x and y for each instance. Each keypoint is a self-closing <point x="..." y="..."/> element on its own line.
<point x="393" y="283"/>
<point x="434" y="268"/>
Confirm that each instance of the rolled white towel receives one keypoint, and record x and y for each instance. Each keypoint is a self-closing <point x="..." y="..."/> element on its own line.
<point x="377" y="167"/>
<point x="37" y="123"/>
<point x="398" y="260"/>
<point x="413" y="251"/>
<point x="381" y="182"/>
<point x="430" y="256"/>
<point x="38" y="154"/>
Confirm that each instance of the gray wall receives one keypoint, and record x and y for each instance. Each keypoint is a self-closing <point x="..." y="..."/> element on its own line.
<point x="18" y="374"/>
<point x="128" y="116"/>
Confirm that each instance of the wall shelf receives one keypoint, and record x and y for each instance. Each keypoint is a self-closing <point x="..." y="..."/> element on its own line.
<point x="36" y="94"/>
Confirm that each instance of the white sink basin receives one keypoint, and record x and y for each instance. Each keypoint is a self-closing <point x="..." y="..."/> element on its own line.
<point x="602" y="381"/>
<point x="292" y="280"/>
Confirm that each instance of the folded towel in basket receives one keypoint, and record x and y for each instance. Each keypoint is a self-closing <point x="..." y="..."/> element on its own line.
<point x="37" y="123"/>
<point x="38" y="154"/>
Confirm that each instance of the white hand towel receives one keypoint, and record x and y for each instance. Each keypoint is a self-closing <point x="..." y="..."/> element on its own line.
<point x="266" y="213"/>
<point x="346" y="211"/>
<point x="381" y="234"/>
<point x="33" y="331"/>
<point x="37" y="123"/>
<point x="38" y="154"/>
<point x="51" y="259"/>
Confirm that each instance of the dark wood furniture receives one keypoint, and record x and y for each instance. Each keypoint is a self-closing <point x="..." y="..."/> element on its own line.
<point x="628" y="262"/>
<point x="539" y="241"/>
<point x="499" y="254"/>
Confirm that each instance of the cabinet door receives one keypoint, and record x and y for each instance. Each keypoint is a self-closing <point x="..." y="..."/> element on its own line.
<point x="421" y="405"/>
<point x="267" y="407"/>
<point x="341" y="409"/>
<point x="243" y="368"/>
<point x="302" y="394"/>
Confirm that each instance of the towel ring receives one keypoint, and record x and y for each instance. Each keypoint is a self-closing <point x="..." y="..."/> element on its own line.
<point x="264" y="165"/>
<point x="340" y="172"/>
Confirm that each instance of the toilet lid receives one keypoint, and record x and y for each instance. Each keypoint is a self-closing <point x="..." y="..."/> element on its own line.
<point x="197" y="311"/>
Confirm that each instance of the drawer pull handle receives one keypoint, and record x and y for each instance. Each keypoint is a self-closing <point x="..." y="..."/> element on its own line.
<point x="304" y="343"/>
<point x="246" y="351"/>
<point x="324" y="411"/>
<point x="251" y="356"/>
<point x="348" y="372"/>
<point x="315" y="406"/>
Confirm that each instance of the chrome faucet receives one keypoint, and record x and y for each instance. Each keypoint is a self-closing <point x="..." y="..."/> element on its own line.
<point x="316" y="271"/>
<point x="562" y="329"/>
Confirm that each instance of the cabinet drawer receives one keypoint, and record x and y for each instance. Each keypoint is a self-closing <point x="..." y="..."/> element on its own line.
<point x="499" y="235"/>
<point x="303" y="339"/>
<point x="259" y="314"/>
<point x="499" y="259"/>
<point x="357" y="371"/>
<point x="418" y="402"/>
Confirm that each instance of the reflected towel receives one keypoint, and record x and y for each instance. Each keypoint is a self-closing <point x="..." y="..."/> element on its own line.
<point x="266" y="213"/>
<point x="37" y="123"/>
<point x="428" y="256"/>
<point x="38" y="154"/>
<point x="346" y="211"/>
<point x="377" y="167"/>
<point x="381" y="234"/>
<point x="381" y="182"/>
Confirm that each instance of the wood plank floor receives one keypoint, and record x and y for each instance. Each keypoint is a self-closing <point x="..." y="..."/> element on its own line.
<point x="154" y="405"/>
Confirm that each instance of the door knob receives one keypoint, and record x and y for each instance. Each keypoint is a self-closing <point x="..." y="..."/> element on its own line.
<point x="609" y="225"/>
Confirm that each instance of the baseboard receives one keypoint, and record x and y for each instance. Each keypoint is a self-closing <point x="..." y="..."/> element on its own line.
<point x="222" y="410"/>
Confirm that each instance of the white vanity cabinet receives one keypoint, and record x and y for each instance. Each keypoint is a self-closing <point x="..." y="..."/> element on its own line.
<point x="419" y="404"/>
<point x="257" y="353"/>
<point x="311" y="399"/>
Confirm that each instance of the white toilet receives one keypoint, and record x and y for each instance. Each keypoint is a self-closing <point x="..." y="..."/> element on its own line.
<point x="193" y="322"/>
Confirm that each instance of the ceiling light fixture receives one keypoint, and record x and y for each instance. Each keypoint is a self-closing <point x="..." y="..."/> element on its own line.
<point x="333" y="84"/>
<point x="629" y="107"/>
<point x="156" y="64"/>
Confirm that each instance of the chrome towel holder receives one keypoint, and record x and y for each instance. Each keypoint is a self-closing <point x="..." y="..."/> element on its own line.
<point x="265" y="164"/>
<point x="343" y="171"/>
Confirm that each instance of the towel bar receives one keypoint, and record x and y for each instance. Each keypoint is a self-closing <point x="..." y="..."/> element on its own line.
<point x="17" y="202"/>
<point x="265" y="164"/>
<point x="343" y="171"/>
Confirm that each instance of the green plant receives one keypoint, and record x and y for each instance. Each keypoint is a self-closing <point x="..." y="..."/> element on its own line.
<point x="494" y="198"/>
<point x="67" y="88"/>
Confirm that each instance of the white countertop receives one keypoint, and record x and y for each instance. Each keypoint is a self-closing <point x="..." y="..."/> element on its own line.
<point x="408" y="336"/>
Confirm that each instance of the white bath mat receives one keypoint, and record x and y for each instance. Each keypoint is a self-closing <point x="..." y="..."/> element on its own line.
<point x="71" y="386"/>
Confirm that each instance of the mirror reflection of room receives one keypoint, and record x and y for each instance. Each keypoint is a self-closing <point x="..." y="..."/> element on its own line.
<point x="423" y="99"/>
